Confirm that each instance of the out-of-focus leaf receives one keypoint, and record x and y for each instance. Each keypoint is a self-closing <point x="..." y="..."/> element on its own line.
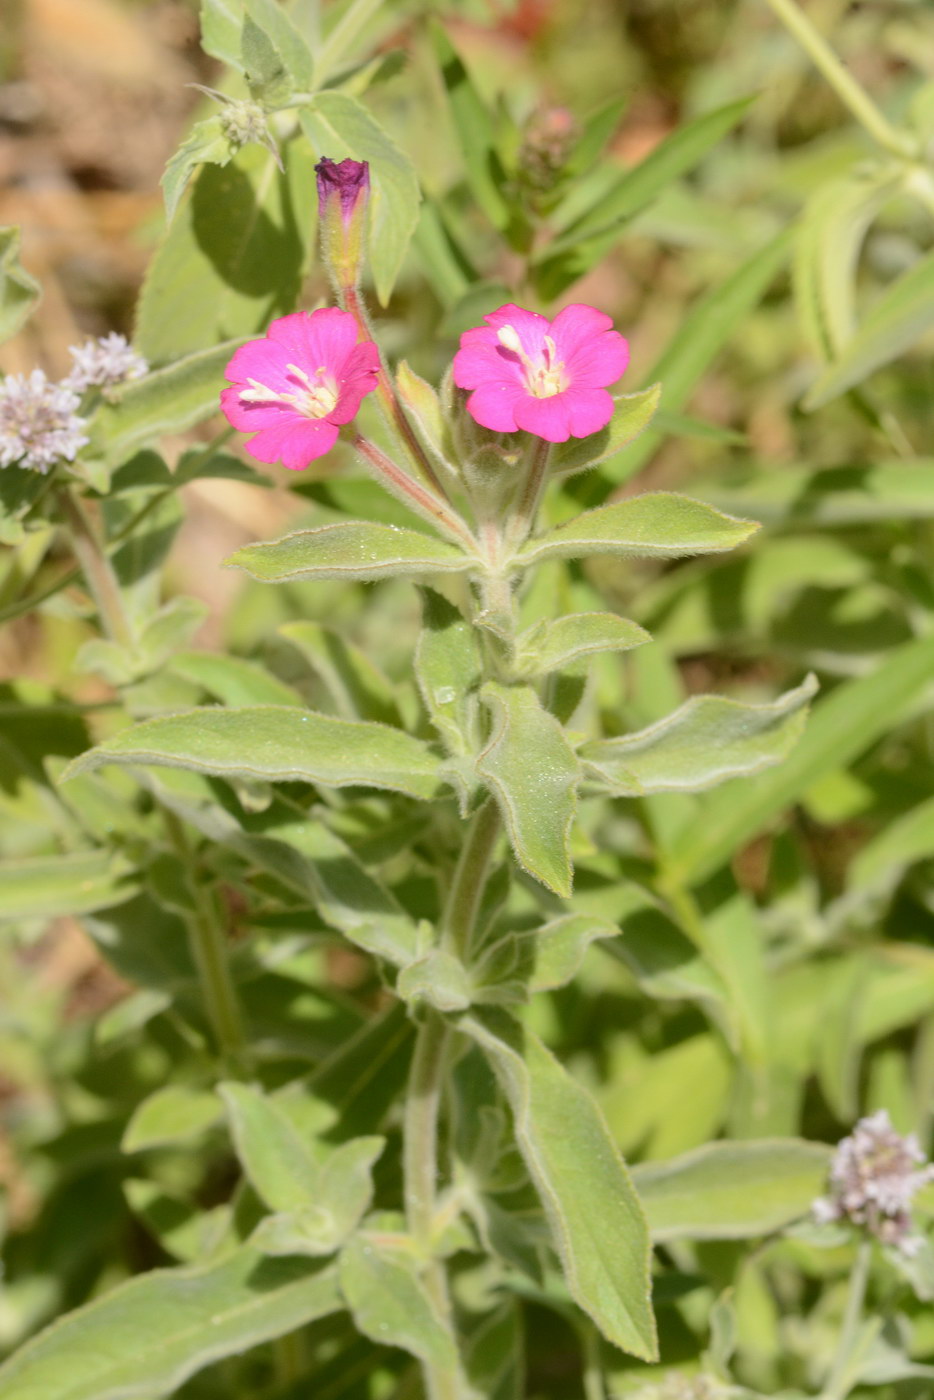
<point x="337" y="126"/>
<point x="660" y="525"/>
<point x="342" y="1190"/>
<point x="147" y="1336"/>
<point x="356" y="685"/>
<point x="207" y="144"/>
<point x="899" y="318"/>
<point x="282" y="1166"/>
<point x="831" y="496"/>
<point x="389" y="1302"/>
<point x="277" y="744"/>
<point x="597" y="1223"/>
<point x="221" y="24"/>
<point x="549" y="646"/>
<point x="732" y="1190"/>
<point x="45" y="887"/>
<point x="173" y="1114"/>
<point x="448" y="669"/>
<point x="474" y="126"/>
<point x="706" y="741"/>
<point x="531" y="770"/>
<point x="233" y="681"/>
<point x="495" y="1353"/>
<point x="840" y="727"/>
<point x="288" y="43"/>
<point x="19" y="291"/>
<point x="351" y="550"/>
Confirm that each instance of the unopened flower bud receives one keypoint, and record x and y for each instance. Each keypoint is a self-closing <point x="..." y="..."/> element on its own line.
<point x="343" y="196"/>
<point x="547" y="140"/>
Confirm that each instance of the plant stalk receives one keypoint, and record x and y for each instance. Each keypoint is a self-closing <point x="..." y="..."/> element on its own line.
<point x="466" y="893"/>
<point x="522" y="516"/>
<point x="854" y="97"/>
<point x="97" y="569"/>
<point x="425" y="502"/>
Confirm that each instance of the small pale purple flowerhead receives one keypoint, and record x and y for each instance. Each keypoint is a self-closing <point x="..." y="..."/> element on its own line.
<point x="545" y="377"/>
<point x="347" y="181"/>
<point x="39" y="422"/>
<point x="296" y="386"/>
<point x="108" y="360"/>
<point x="874" y="1176"/>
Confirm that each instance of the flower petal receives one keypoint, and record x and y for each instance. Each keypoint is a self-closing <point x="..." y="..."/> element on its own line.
<point x="493" y="405"/>
<point x="294" y="444"/>
<point x="547" y="418"/>
<point x="331" y="338"/>
<point x="260" y="360"/>
<point x="481" y="359"/>
<point x="589" y="410"/>
<point x="528" y="325"/>
<point x="253" y="417"/>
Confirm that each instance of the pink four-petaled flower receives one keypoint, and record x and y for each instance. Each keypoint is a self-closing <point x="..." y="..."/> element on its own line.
<point x="549" y="378"/>
<point x="296" y="386"/>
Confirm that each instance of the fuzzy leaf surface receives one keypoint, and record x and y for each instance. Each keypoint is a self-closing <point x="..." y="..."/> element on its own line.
<point x="44" y="887"/>
<point x="597" y="1223"/>
<point x="530" y="768"/>
<point x="389" y="1302"/>
<point x="448" y="669"/>
<point x="660" y="525"/>
<point x="550" y="646"/>
<point x="353" y="549"/>
<point x="705" y="741"/>
<point x="147" y="1336"/>
<point x="277" y="744"/>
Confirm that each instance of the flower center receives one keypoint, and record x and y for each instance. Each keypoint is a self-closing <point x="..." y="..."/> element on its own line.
<point x="544" y="376"/>
<point x="315" y="399"/>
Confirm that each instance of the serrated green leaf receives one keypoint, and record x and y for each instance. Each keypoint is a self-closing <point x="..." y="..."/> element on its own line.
<point x="233" y="256"/>
<point x="840" y="728"/>
<point x="897" y="320"/>
<point x="732" y="1190"/>
<point x="276" y="744"/>
<point x="660" y="525"/>
<point x="207" y="144"/>
<point x="705" y="741"/>
<point x="167" y="401"/>
<point x="353" y="549"/>
<point x="46" y="887"/>
<point x="171" y="1115"/>
<point x="631" y="416"/>
<point x="19" y="290"/>
<point x="530" y="768"/>
<point x="147" y="1336"/>
<point x="338" y="126"/>
<point x="551" y="645"/>
<point x="596" y="1220"/>
<point x="389" y="1302"/>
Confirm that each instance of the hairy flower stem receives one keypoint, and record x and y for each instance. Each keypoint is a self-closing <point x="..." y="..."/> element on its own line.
<point x="847" y="89"/>
<point x="523" y="513"/>
<point x="404" y="487"/>
<point x="209" y="952"/>
<point x="839" y="1382"/>
<point x="386" y="396"/>
<point x="97" y="569"/>
<point x="470" y="875"/>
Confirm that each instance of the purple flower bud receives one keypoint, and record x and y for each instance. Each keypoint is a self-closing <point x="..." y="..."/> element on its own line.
<point x="347" y="180"/>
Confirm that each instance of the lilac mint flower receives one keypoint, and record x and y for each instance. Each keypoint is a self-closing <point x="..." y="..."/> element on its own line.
<point x="39" y="423"/>
<point x="108" y="360"/>
<point x="874" y="1175"/>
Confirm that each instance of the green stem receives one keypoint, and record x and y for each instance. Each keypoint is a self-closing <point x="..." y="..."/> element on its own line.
<point x="593" y="1372"/>
<point x="839" y="1383"/>
<point x="466" y="893"/>
<point x="522" y="516"/>
<point x="386" y="396"/>
<point x="209" y="951"/>
<point x="423" y="501"/>
<point x="97" y="569"/>
<point x="420" y="1168"/>
<point x="847" y="89"/>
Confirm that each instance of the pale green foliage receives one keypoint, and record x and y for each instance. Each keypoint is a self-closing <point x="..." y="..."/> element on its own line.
<point x="19" y="291"/>
<point x="353" y="550"/>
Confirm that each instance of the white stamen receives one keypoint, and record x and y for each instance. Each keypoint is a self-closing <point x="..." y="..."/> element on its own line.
<point x="260" y="393"/>
<point x="508" y="337"/>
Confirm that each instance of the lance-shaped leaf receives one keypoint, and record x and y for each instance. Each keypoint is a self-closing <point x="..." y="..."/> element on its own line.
<point x="149" y="1335"/>
<point x="422" y="401"/>
<point x="295" y="55"/>
<point x="352" y="549"/>
<point x="44" y="887"/>
<point x="631" y="416"/>
<point x="282" y="1165"/>
<point x="660" y="525"/>
<point x="167" y="401"/>
<point x="530" y="768"/>
<point x="276" y="744"/>
<point x="537" y="960"/>
<point x="448" y="668"/>
<point x="732" y="1190"/>
<point x="208" y="144"/>
<point x="705" y="741"/>
<point x="596" y="1220"/>
<point x="19" y="291"/>
<point x="337" y="124"/>
<point x="389" y="1302"/>
<point x="550" y="646"/>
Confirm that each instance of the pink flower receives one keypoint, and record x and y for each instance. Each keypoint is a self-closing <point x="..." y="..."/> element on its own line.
<point x="298" y="384"/>
<point x="548" y="377"/>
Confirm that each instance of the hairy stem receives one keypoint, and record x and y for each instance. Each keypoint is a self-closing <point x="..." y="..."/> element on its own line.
<point x="839" y="1382"/>
<point x="209" y="951"/>
<point x="847" y="88"/>
<point x="97" y="569"/>
<point x="351" y="300"/>
<point x="522" y="517"/>
<point x="405" y="487"/>
<point x="466" y="893"/>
